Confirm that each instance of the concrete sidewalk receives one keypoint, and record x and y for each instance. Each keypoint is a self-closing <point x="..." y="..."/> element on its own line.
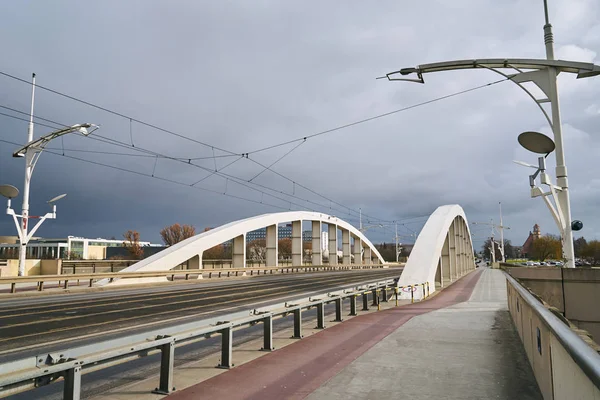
<point x="466" y="351"/>
<point x="460" y="344"/>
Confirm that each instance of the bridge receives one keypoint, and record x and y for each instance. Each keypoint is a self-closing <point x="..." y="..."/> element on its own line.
<point x="438" y="327"/>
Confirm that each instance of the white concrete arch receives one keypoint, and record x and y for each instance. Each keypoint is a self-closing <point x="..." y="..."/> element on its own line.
<point x="191" y="249"/>
<point x="443" y="252"/>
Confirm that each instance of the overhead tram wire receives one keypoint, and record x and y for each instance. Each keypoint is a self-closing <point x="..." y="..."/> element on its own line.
<point x="128" y="146"/>
<point x="154" y="177"/>
<point x="362" y="121"/>
<point x="235" y="179"/>
<point x="259" y="150"/>
<point x="117" y="113"/>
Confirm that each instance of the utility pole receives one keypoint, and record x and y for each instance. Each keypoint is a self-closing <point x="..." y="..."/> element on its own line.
<point x="28" y="171"/>
<point x="501" y="227"/>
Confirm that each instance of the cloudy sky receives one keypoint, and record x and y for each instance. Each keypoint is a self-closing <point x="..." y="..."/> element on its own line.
<point x="241" y="76"/>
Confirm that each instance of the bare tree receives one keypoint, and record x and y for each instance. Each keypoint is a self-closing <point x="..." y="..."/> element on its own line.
<point x="285" y="247"/>
<point x="132" y="244"/>
<point x="257" y="250"/>
<point x="176" y="233"/>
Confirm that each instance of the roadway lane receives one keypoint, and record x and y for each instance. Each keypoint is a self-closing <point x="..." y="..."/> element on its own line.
<point x="28" y="324"/>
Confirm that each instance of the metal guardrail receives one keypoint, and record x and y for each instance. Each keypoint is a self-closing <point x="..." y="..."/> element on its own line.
<point x="70" y="364"/>
<point x="584" y="356"/>
<point x="63" y="280"/>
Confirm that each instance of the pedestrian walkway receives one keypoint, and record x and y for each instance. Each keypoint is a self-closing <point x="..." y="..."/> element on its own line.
<point x="460" y="344"/>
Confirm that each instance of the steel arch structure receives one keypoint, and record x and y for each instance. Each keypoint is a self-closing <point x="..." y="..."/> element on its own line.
<point x="443" y="252"/>
<point x="191" y="250"/>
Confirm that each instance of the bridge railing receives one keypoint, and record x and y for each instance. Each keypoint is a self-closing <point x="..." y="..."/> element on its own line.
<point x="64" y="280"/>
<point x="562" y="362"/>
<point x="69" y="364"/>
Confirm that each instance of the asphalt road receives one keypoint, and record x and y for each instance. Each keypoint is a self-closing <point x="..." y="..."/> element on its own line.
<point x="44" y="324"/>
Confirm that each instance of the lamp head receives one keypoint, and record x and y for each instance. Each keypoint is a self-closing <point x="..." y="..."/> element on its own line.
<point x="9" y="191"/>
<point x="536" y="142"/>
<point x="55" y="199"/>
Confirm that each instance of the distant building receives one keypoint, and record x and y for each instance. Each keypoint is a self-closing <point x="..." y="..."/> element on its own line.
<point x="527" y="246"/>
<point x="283" y="232"/>
<point x="70" y="247"/>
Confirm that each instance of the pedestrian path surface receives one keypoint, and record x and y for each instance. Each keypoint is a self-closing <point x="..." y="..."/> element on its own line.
<point x="460" y="344"/>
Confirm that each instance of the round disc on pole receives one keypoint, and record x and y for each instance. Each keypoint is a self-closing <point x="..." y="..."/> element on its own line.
<point x="536" y="142"/>
<point x="9" y="191"/>
<point x="60" y="196"/>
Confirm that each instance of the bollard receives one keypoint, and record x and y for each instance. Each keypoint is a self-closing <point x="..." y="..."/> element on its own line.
<point x="423" y="285"/>
<point x="268" y="334"/>
<point x="365" y="297"/>
<point x="226" y="348"/>
<point x="375" y="297"/>
<point x="412" y="294"/>
<point x="338" y="310"/>
<point x="384" y="294"/>
<point x="297" y="324"/>
<point x="428" y="293"/>
<point x="167" y="359"/>
<point x="353" y="305"/>
<point x="72" y="385"/>
<point x="396" y="292"/>
<point x="321" y="316"/>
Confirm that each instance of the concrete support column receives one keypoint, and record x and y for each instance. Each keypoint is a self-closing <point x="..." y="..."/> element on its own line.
<point x="333" y="260"/>
<point x="438" y="273"/>
<point x="463" y="243"/>
<point x="452" y="252"/>
<point x="459" y="246"/>
<point x="272" y="246"/>
<point x="367" y="256"/>
<point x="357" y="251"/>
<point x="317" y="257"/>
<point x="346" y="259"/>
<point x="238" y="252"/>
<point x="445" y="262"/>
<point x="297" y="243"/>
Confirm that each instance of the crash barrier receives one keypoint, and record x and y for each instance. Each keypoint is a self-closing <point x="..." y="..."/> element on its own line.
<point x="69" y="364"/>
<point x="99" y="266"/>
<point x="94" y="266"/>
<point x="172" y="275"/>
<point x="563" y="363"/>
<point x="413" y="288"/>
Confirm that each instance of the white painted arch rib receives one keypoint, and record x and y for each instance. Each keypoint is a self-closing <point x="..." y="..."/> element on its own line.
<point x="186" y="249"/>
<point x="422" y="264"/>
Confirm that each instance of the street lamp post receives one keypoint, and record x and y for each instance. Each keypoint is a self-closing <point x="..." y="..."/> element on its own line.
<point x="31" y="152"/>
<point x="543" y="73"/>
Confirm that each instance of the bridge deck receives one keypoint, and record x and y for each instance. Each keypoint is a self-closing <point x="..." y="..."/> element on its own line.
<point x="460" y="344"/>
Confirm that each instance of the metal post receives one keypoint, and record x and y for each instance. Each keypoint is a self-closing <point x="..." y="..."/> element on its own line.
<point x="297" y="324"/>
<point x="561" y="167"/>
<point x="384" y="294"/>
<point x="412" y="294"/>
<point x="167" y="359"/>
<point x="375" y="297"/>
<point x="338" y="310"/>
<point x="72" y="385"/>
<point x="396" y="292"/>
<point x="353" y="305"/>
<point x="268" y="334"/>
<point x="501" y="235"/>
<point x="28" y="171"/>
<point x="321" y="316"/>
<point x="365" y="297"/>
<point x="226" y="348"/>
